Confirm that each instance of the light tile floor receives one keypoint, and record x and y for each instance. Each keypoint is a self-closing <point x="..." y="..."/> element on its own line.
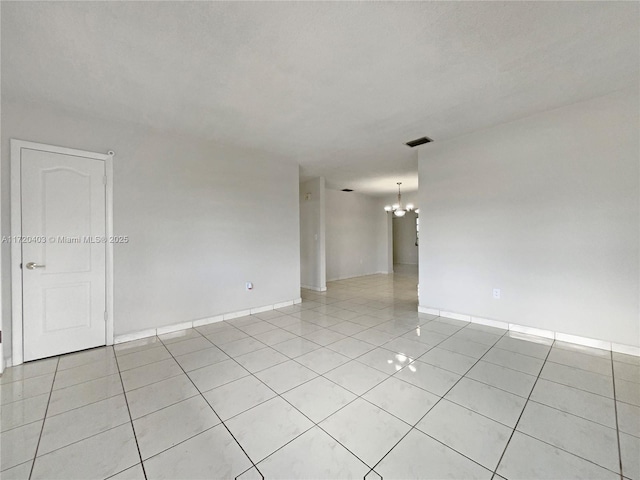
<point x="352" y="383"/>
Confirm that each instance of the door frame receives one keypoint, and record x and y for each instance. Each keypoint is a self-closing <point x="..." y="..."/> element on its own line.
<point x="17" y="319"/>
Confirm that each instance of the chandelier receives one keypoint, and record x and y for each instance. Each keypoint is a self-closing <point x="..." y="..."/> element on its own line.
<point x="398" y="209"/>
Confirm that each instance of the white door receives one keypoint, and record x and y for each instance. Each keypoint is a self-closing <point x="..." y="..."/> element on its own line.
<point x="63" y="253"/>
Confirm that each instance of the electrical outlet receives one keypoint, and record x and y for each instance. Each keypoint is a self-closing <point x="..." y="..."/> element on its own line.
<point x="249" y="286"/>
<point x="496" y="293"/>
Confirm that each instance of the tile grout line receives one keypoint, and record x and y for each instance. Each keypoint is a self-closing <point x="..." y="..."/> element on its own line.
<point x="577" y="416"/>
<point x="144" y="472"/>
<point x="22" y="425"/>
<point x="100" y="378"/>
<point x="76" y="408"/>
<point x="91" y="379"/>
<point x="25" y="379"/>
<point x="201" y="334"/>
<point x="551" y="346"/>
<point x="280" y="395"/>
<point x="58" y="389"/>
<point x="317" y="424"/>
<point x="44" y="420"/>
<point x="388" y="375"/>
<point x="293" y="406"/>
<point x="80" y="406"/>
<point x="253" y="374"/>
<point x="615" y="408"/>
<point x="538" y="402"/>
<point x="581" y="369"/>
<point x="438" y="401"/>
<point x="75" y="442"/>
<point x="446" y="393"/>
<point x="356" y="360"/>
<point x="303" y="414"/>
<point x="571" y="453"/>
<point x="551" y="381"/>
<point x="576" y="388"/>
<point x="322" y="375"/>
<point x="349" y="359"/>
<point x="211" y="407"/>
<point x="515" y="426"/>
<point x="413" y="427"/>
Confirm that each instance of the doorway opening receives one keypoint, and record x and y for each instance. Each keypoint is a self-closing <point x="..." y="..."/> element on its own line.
<point x="405" y="243"/>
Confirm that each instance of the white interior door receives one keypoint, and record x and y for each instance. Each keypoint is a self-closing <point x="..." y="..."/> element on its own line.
<point x="63" y="253"/>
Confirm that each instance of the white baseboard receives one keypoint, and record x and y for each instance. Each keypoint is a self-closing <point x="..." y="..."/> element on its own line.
<point x="238" y="314"/>
<point x="626" y="349"/>
<point x="587" y="342"/>
<point x="559" y="336"/>
<point x="127" y="337"/>
<point x="173" y="328"/>
<point x="282" y="304"/>
<point x="538" y="332"/>
<point x="430" y="311"/>
<point x="490" y="323"/>
<point x="348" y="276"/>
<point x="315" y="289"/>
<point x="455" y="316"/>
<point x="261" y="309"/>
<point x="208" y="320"/>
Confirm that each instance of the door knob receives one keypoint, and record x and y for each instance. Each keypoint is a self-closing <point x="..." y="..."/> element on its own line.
<point x="33" y="266"/>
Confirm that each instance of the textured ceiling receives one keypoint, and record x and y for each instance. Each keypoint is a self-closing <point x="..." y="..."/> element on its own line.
<point x="337" y="86"/>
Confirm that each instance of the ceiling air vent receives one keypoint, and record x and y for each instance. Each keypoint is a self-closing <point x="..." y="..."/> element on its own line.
<point x="418" y="141"/>
<point x="347" y="190"/>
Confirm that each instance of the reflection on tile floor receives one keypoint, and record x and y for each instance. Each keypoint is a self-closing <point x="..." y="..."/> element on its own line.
<point x="352" y="383"/>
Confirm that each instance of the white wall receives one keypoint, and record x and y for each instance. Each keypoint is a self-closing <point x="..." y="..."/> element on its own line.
<point x="202" y="219"/>
<point x="354" y="227"/>
<point x="405" y="250"/>
<point x="312" y="235"/>
<point x="545" y="208"/>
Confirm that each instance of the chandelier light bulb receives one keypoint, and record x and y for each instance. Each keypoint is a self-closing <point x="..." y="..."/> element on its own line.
<point x="397" y="208"/>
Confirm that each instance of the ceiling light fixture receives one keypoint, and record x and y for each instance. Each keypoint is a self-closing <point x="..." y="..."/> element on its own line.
<point x="397" y="208"/>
